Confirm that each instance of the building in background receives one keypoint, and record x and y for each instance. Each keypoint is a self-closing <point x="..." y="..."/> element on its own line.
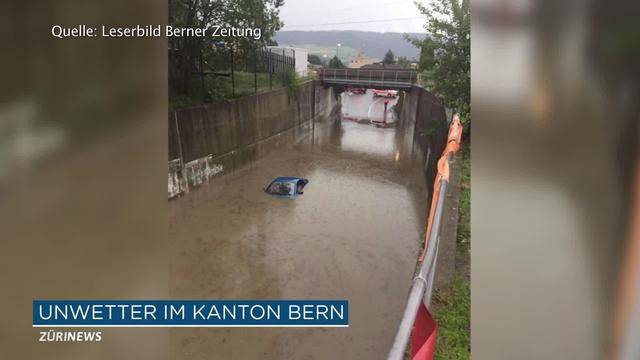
<point x="381" y="66"/>
<point x="360" y="61"/>
<point x="299" y="54"/>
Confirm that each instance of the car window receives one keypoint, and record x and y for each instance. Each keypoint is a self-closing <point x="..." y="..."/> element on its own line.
<point x="281" y="188"/>
<point x="301" y="185"/>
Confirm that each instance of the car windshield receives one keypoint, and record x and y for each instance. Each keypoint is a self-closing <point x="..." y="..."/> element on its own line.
<point x="281" y="188"/>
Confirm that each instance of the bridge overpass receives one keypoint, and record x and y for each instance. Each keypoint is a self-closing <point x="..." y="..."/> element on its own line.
<point x="369" y="78"/>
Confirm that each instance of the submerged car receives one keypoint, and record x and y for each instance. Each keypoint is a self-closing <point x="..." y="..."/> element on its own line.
<point x="286" y="186"/>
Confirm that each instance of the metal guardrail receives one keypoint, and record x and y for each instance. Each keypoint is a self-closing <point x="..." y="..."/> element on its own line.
<point x="396" y="79"/>
<point x="422" y="288"/>
<point x="423" y="282"/>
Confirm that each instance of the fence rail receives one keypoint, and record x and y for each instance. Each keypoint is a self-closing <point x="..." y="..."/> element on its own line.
<point x="394" y="79"/>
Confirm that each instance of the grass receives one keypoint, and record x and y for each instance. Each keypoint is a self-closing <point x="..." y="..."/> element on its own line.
<point x="453" y="304"/>
<point x="220" y="89"/>
<point x="453" y="316"/>
<point x="464" y="205"/>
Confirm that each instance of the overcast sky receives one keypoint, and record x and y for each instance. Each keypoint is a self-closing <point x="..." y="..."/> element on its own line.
<point x="367" y="15"/>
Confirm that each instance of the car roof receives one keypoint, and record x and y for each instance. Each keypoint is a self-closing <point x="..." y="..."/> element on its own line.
<point x="286" y="179"/>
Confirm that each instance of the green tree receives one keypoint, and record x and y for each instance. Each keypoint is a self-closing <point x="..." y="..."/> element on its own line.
<point x="314" y="59"/>
<point x="404" y="62"/>
<point x="389" y="57"/>
<point x="335" y="63"/>
<point x="187" y="53"/>
<point x="446" y="53"/>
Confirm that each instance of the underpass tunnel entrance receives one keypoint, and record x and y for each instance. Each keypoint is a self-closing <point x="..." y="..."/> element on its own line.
<point x="370" y="106"/>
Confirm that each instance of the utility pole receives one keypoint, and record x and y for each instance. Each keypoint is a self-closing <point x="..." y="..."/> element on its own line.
<point x="269" y="66"/>
<point x="284" y="57"/>
<point x="233" y="80"/>
<point x="202" y="87"/>
<point x="183" y="170"/>
<point x="384" y="115"/>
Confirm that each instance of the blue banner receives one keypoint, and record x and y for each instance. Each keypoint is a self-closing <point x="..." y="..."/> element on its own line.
<point x="190" y="313"/>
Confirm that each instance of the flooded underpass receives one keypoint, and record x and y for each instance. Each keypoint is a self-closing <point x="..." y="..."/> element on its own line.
<point x="368" y="107"/>
<point x="354" y="234"/>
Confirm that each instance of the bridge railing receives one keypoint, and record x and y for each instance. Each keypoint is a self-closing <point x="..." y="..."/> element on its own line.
<point x="373" y="76"/>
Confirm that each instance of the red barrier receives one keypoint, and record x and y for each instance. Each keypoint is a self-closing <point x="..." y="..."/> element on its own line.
<point x="423" y="338"/>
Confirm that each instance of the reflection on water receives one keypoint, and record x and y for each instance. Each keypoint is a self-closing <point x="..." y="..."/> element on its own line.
<point x="369" y="139"/>
<point x="353" y="235"/>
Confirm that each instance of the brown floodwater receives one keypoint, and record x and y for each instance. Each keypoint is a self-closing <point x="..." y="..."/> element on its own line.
<point x="353" y="235"/>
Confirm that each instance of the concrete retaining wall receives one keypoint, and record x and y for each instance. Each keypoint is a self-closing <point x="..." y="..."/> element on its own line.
<point x="210" y="140"/>
<point x="421" y="109"/>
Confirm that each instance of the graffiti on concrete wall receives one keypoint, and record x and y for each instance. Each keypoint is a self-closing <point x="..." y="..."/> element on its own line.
<point x="192" y="175"/>
<point x="174" y="180"/>
<point x="200" y="171"/>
